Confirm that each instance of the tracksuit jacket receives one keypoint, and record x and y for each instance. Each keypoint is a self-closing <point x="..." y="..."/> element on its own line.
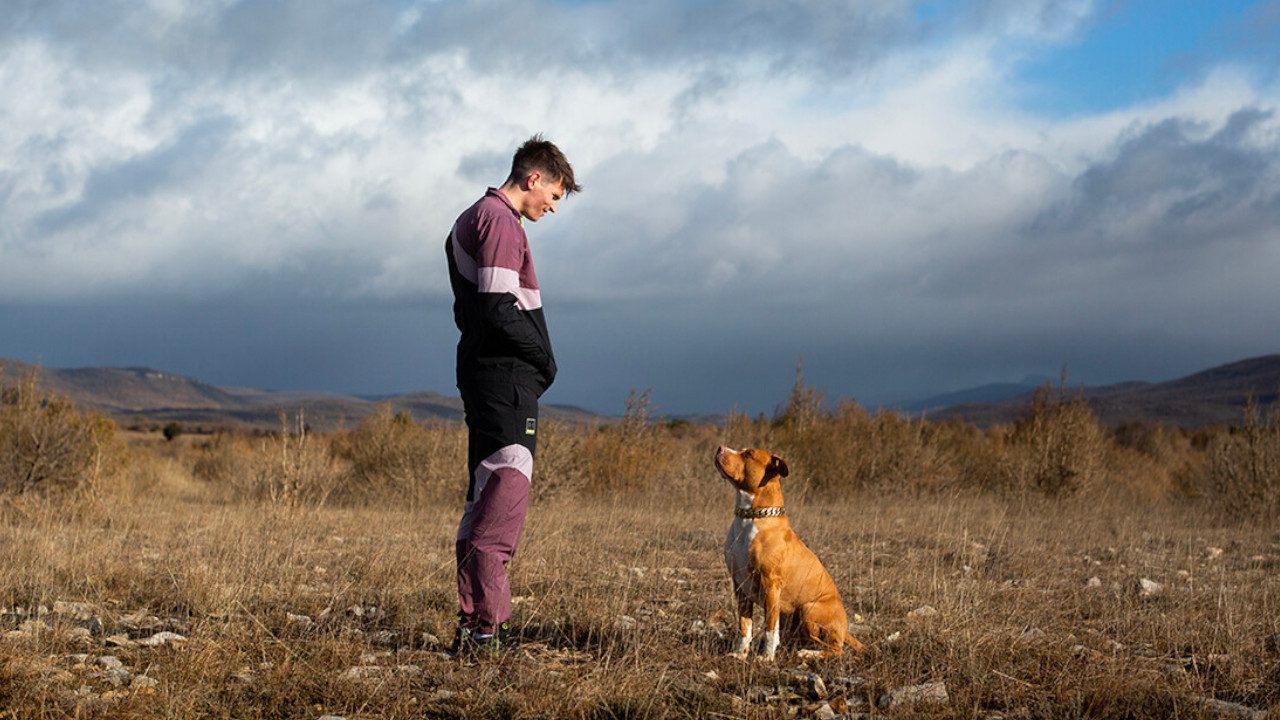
<point x="497" y="305"/>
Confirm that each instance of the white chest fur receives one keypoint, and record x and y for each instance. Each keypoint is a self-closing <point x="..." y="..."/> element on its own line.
<point x="737" y="550"/>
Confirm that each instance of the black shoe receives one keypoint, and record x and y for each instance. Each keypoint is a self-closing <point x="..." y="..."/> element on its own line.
<point x="502" y="640"/>
<point x="464" y="641"/>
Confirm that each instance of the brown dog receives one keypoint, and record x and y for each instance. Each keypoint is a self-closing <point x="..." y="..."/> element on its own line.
<point x="770" y="565"/>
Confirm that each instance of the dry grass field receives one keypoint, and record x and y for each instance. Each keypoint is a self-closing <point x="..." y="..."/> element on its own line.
<point x="999" y="573"/>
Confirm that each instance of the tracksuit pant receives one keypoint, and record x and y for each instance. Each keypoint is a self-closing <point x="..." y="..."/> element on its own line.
<point x="502" y="425"/>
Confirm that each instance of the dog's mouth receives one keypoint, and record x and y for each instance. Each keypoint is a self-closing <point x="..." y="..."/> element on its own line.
<point x="723" y="474"/>
<point x="716" y="460"/>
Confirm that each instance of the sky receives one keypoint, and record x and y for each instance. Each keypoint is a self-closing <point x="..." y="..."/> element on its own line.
<point x="902" y="198"/>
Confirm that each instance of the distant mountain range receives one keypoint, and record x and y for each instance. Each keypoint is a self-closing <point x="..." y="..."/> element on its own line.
<point x="1216" y="396"/>
<point x="146" y="397"/>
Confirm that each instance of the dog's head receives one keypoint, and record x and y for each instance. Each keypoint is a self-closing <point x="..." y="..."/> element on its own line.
<point x="750" y="469"/>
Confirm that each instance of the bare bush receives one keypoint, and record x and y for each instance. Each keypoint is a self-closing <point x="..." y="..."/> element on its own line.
<point x="1243" y="470"/>
<point x="47" y="446"/>
<point x="852" y="450"/>
<point x="392" y="456"/>
<point x="617" y="457"/>
<point x="1057" y="448"/>
<point x="291" y="468"/>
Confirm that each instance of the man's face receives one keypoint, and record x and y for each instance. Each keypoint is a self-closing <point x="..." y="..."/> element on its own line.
<point x="541" y="197"/>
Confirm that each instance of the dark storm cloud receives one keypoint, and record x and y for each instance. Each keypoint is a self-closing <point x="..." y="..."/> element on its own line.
<point x="815" y="34"/>
<point x="214" y="41"/>
<point x="1173" y="194"/>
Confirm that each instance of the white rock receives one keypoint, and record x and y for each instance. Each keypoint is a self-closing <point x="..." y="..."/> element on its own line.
<point x="143" y="682"/>
<point x="624" y="622"/>
<point x="1149" y="588"/>
<point x="110" y="662"/>
<point x="1213" y="553"/>
<point x="75" y="610"/>
<point x="824" y="712"/>
<point x="303" y="620"/>
<point x="1093" y="582"/>
<point x="1031" y="635"/>
<point x="162" y="638"/>
<point x="118" y="677"/>
<point x="921" y="613"/>
<point x="932" y="693"/>
<point x="369" y="671"/>
<point x="893" y="638"/>
<point x="1225" y="709"/>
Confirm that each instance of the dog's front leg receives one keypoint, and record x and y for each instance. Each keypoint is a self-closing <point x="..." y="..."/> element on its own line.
<point x="772" y="616"/>
<point x="745" y="607"/>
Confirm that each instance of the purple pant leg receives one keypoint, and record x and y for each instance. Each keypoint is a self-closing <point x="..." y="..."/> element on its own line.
<point x="489" y="538"/>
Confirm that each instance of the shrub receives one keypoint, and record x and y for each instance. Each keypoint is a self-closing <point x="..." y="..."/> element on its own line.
<point x="1243" y="469"/>
<point x="1057" y="447"/>
<point x="853" y="450"/>
<point x="391" y="455"/>
<point x="292" y="467"/>
<point x="48" y="446"/>
<point x="171" y="431"/>
<point x="615" y="456"/>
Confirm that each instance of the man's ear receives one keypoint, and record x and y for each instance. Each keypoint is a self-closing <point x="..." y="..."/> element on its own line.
<point x="531" y="181"/>
<point x="778" y="466"/>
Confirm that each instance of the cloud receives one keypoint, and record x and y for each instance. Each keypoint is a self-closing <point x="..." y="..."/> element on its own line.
<point x="840" y="175"/>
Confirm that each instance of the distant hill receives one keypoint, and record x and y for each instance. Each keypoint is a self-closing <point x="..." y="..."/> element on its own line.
<point x="1216" y="396"/>
<point x="992" y="393"/>
<point x="144" y="396"/>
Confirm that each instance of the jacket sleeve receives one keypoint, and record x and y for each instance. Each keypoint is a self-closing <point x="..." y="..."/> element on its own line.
<point x="501" y="315"/>
<point x="500" y="258"/>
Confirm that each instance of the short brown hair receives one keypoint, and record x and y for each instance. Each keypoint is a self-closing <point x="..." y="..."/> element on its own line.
<point x="538" y="155"/>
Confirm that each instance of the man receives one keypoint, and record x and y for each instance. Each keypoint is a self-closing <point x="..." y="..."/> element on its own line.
<point x="505" y="363"/>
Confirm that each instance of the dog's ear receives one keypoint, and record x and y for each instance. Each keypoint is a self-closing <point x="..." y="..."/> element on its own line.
<point x="778" y="466"/>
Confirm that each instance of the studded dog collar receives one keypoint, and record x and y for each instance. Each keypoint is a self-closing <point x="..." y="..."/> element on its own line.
<point x="760" y="512"/>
